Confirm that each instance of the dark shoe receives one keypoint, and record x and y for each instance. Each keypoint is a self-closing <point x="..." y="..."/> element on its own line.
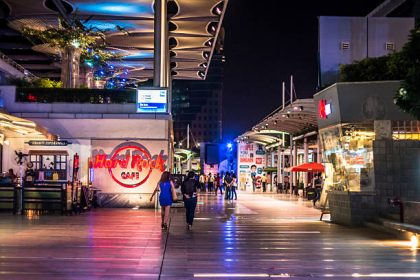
<point x="162" y="225"/>
<point x="165" y="227"/>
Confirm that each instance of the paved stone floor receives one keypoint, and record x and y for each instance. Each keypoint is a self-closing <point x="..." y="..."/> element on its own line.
<point x="259" y="236"/>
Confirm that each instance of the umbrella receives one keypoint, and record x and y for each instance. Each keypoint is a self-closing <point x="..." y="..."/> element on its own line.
<point x="308" y="167"/>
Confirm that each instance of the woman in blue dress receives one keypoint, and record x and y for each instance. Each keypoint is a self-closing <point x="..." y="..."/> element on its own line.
<point x="165" y="186"/>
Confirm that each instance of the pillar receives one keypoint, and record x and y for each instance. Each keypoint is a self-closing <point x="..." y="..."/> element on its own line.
<point x="161" y="41"/>
<point x="294" y="162"/>
<point x="305" y="160"/>
<point x="280" y="162"/>
<point x="318" y="150"/>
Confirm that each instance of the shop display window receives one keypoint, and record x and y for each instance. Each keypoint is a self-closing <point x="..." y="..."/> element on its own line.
<point x="406" y="130"/>
<point x="348" y="156"/>
<point x="49" y="166"/>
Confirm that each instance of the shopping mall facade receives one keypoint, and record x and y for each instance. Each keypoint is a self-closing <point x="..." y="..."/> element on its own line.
<point x="370" y="150"/>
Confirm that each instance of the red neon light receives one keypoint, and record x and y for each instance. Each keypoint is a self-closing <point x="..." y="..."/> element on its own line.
<point x="321" y="109"/>
<point x="76" y="161"/>
<point x="137" y="163"/>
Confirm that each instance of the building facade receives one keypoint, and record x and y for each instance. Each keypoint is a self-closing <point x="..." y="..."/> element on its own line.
<point x="344" y="40"/>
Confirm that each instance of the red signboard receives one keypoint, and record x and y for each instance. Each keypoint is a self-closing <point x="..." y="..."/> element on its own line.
<point x="131" y="164"/>
<point x="321" y="109"/>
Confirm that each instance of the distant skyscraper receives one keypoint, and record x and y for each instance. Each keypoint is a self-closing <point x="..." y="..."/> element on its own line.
<point x="199" y="103"/>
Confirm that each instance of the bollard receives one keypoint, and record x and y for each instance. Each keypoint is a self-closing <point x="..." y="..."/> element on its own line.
<point x="19" y="198"/>
<point x="398" y="202"/>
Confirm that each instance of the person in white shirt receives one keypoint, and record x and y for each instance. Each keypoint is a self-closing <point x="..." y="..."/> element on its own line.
<point x="210" y="184"/>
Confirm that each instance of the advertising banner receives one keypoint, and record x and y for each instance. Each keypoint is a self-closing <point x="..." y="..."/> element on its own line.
<point x="251" y="161"/>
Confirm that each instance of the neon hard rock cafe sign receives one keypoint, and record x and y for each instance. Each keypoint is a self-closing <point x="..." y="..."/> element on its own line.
<point x="130" y="164"/>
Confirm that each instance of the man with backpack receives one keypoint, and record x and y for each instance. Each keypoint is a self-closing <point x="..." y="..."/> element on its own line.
<point x="189" y="193"/>
<point x="228" y="182"/>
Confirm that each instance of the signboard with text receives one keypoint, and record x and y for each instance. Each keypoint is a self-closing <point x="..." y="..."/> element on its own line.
<point x="152" y="100"/>
<point x="48" y="143"/>
<point x="128" y="166"/>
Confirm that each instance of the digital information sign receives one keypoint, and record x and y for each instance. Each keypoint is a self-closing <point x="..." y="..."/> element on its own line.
<point x="152" y="100"/>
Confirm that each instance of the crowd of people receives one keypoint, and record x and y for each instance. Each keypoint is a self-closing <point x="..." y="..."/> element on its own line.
<point x="223" y="183"/>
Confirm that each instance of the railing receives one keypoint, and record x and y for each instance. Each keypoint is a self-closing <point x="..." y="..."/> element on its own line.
<point x="15" y="65"/>
<point x="61" y="95"/>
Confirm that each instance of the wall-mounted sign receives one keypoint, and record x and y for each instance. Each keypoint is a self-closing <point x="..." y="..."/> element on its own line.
<point x="152" y="100"/>
<point x="324" y="109"/>
<point x="246" y="153"/>
<point x="130" y="164"/>
<point x="48" y="143"/>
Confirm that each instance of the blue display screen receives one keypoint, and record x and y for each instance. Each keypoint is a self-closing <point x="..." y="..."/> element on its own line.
<point x="152" y="100"/>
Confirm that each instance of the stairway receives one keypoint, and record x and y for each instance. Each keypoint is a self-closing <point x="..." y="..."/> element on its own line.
<point x="11" y="68"/>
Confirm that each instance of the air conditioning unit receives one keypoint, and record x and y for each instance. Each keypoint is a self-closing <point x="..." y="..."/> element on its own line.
<point x="390" y="46"/>
<point x="344" y="45"/>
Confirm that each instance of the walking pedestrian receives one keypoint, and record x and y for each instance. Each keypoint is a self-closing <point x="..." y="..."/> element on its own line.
<point x="218" y="184"/>
<point x="264" y="182"/>
<point x="202" y="181"/>
<point x="189" y="192"/>
<point x="166" y="187"/>
<point x="210" y="182"/>
<point x="234" y="187"/>
<point x="228" y="183"/>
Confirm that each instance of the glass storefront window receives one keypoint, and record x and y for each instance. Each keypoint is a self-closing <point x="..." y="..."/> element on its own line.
<point x="348" y="156"/>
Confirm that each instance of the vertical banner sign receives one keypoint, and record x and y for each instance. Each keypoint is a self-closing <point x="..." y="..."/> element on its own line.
<point x="75" y="166"/>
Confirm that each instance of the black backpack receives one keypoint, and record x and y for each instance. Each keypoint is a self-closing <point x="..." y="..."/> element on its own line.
<point x="189" y="186"/>
<point x="228" y="179"/>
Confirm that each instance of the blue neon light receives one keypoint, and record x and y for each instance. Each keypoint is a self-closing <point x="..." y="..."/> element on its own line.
<point x="108" y="25"/>
<point x="139" y="55"/>
<point x="115" y="8"/>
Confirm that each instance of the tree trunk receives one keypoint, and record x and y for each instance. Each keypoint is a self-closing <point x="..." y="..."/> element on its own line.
<point x="86" y="76"/>
<point x="70" y="62"/>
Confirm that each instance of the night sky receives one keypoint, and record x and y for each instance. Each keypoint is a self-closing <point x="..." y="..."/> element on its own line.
<point x="265" y="43"/>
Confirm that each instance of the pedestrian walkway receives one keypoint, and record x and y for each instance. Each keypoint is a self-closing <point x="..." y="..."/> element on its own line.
<point x="259" y="236"/>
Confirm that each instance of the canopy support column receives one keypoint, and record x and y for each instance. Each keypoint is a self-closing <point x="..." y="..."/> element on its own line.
<point x="305" y="160"/>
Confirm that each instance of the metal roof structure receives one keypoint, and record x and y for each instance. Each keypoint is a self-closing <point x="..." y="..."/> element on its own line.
<point x="294" y="119"/>
<point x="14" y="127"/>
<point x="194" y="26"/>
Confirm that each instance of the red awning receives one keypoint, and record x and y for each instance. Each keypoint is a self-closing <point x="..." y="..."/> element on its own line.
<point x="308" y="167"/>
